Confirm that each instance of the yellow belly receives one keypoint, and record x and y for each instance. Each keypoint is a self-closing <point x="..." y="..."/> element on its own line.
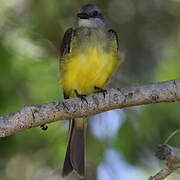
<point x="84" y="70"/>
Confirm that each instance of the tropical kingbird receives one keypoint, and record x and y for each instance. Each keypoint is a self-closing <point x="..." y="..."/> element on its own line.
<point x="89" y="56"/>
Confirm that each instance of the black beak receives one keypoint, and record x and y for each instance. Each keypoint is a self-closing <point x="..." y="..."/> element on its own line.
<point x="82" y="16"/>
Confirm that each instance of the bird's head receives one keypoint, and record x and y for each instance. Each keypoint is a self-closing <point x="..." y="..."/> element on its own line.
<point x="90" y="16"/>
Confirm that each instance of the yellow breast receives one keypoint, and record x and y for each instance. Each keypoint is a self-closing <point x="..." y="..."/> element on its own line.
<point x="84" y="70"/>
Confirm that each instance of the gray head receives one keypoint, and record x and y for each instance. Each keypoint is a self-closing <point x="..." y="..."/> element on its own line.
<point x="90" y="16"/>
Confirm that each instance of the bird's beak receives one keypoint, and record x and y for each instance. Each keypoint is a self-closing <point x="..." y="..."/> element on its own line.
<point x="82" y="16"/>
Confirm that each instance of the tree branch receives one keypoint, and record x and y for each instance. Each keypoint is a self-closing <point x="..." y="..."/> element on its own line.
<point x="172" y="157"/>
<point x="33" y="116"/>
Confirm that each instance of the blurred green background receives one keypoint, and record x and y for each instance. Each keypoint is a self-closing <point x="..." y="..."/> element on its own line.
<point x="30" y="36"/>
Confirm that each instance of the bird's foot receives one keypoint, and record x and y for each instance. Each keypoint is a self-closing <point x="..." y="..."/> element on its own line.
<point x="64" y="106"/>
<point x="104" y="91"/>
<point x="81" y="96"/>
<point x="44" y="127"/>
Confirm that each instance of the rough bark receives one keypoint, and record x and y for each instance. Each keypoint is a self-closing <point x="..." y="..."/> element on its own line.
<point x="33" y="116"/>
<point x="172" y="157"/>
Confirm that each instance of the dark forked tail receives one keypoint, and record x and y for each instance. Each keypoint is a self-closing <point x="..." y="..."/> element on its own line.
<point x="74" y="159"/>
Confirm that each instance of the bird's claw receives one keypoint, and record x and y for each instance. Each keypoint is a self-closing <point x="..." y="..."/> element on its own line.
<point x="81" y="96"/>
<point x="101" y="90"/>
<point x="44" y="127"/>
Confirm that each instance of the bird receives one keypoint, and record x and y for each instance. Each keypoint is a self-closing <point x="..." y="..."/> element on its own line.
<point x="89" y="55"/>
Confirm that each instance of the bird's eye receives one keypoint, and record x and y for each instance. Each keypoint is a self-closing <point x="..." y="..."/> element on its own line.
<point x="95" y="13"/>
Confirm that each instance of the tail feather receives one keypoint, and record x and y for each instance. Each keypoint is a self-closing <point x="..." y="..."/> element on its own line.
<point x="74" y="159"/>
<point x="77" y="150"/>
<point x="67" y="167"/>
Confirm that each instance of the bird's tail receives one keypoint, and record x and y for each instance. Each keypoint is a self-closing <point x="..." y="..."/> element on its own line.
<point x="74" y="159"/>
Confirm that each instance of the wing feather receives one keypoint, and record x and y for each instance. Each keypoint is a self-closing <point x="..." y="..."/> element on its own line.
<point x="65" y="49"/>
<point x="66" y="42"/>
<point x="115" y="36"/>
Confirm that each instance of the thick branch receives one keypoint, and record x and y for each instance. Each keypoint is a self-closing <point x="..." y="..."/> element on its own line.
<point x="33" y="116"/>
<point x="172" y="157"/>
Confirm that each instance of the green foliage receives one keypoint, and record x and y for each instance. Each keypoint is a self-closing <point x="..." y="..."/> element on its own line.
<point x="152" y="123"/>
<point x="30" y="35"/>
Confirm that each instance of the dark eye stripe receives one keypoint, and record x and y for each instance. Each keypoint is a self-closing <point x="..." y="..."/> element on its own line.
<point x="95" y="13"/>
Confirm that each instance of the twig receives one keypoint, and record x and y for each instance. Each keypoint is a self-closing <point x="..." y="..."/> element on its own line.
<point x="171" y="135"/>
<point x="172" y="157"/>
<point x="33" y="116"/>
<point x="162" y="174"/>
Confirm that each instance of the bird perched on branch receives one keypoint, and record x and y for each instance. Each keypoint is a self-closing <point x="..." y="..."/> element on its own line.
<point x="89" y="56"/>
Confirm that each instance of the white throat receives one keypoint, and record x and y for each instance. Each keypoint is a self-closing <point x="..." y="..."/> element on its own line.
<point x="91" y="23"/>
<point x="85" y="23"/>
